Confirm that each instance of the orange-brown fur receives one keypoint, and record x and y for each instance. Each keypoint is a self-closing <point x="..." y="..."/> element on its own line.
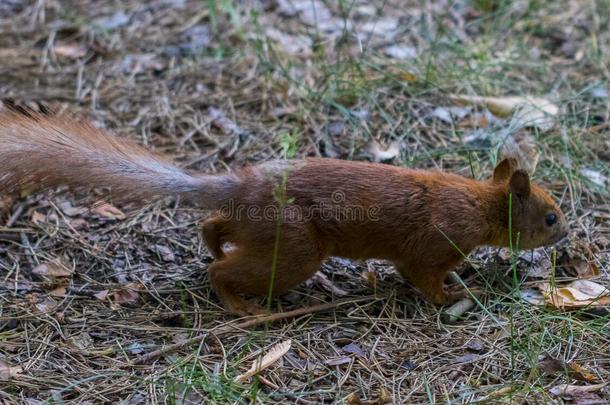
<point x="423" y="221"/>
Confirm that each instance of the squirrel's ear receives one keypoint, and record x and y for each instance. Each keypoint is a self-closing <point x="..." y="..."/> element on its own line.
<point x="519" y="184"/>
<point x="505" y="169"/>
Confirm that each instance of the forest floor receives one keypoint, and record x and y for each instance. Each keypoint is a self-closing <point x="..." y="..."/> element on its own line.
<point x="86" y="291"/>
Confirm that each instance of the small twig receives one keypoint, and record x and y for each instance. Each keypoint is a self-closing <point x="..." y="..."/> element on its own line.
<point x="18" y="211"/>
<point x="29" y="252"/>
<point x="257" y="320"/>
<point x="12" y="237"/>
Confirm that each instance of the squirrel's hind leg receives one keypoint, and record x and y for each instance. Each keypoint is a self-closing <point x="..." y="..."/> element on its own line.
<point x="211" y="230"/>
<point x="248" y="269"/>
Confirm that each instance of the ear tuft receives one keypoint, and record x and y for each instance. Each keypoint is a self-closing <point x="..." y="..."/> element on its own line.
<point x="519" y="184"/>
<point x="505" y="169"/>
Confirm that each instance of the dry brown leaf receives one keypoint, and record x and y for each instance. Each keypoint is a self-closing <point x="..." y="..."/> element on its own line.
<point x="52" y="269"/>
<point x="568" y="390"/>
<point x="580" y="373"/>
<point x="165" y="252"/>
<point x="70" y="50"/>
<point x="385" y="396"/>
<point x="552" y="366"/>
<point x="582" y="269"/>
<point x="46" y="306"/>
<point x="527" y="111"/>
<point x="321" y="279"/>
<point x="58" y="292"/>
<point x="275" y="353"/>
<point x="38" y="218"/>
<point x="70" y="210"/>
<point x="7" y="371"/>
<point x="127" y="294"/>
<point x="353" y="399"/>
<point x="107" y="211"/>
<point x="379" y="154"/>
<point x="579" y="293"/>
<point x="101" y="295"/>
<point x="82" y="341"/>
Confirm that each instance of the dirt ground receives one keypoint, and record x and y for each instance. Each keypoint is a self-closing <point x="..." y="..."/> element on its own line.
<point x="86" y="290"/>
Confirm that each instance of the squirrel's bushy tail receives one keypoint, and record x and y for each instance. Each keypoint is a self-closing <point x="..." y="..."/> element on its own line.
<point x="41" y="151"/>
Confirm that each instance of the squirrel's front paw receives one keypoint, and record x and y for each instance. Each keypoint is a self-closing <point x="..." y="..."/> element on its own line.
<point x="462" y="293"/>
<point x="448" y="297"/>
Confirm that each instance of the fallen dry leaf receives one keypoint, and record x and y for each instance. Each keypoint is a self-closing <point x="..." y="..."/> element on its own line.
<point x="580" y="373"/>
<point x="567" y="390"/>
<point x="385" y="396"/>
<point x="58" y="292"/>
<point x="165" y="252"/>
<point x="273" y="355"/>
<point x="7" y="371"/>
<point x="82" y="341"/>
<point x="127" y="294"/>
<point x="107" y="211"/>
<point x="52" y="269"/>
<point x="551" y="366"/>
<point x="70" y="210"/>
<point x="46" y="306"/>
<point x="353" y="348"/>
<point x="38" y="218"/>
<point x="70" y="50"/>
<point x="353" y="399"/>
<point x="581" y="268"/>
<point x="579" y="293"/>
<point x="380" y="154"/>
<point x="527" y="111"/>
<point x="323" y="281"/>
<point x="101" y="295"/>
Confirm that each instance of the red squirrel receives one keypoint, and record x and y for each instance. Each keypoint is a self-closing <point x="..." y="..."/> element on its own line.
<point x="422" y="221"/>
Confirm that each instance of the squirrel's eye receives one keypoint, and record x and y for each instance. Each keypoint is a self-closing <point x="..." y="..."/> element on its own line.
<point x="551" y="219"/>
